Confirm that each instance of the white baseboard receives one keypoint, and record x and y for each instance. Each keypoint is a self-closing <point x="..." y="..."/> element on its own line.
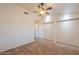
<point x="67" y="44"/>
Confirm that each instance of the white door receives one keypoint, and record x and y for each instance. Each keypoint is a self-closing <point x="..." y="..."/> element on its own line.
<point x="49" y="31"/>
<point x="68" y="32"/>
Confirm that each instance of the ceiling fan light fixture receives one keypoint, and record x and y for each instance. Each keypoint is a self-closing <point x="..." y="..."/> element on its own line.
<point x="42" y="12"/>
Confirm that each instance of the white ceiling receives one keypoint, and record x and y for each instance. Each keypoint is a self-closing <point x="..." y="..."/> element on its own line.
<point x="58" y="8"/>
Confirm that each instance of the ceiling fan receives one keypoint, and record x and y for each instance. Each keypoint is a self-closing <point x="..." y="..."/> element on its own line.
<point x="41" y="10"/>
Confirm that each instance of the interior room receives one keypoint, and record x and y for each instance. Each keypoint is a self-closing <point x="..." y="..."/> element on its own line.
<point x="39" y="28"/>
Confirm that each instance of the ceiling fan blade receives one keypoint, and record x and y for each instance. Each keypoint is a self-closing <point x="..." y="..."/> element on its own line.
<point x="49" y="8"/>
<point x="47" y="13"/>
<point x="26" y="13"/>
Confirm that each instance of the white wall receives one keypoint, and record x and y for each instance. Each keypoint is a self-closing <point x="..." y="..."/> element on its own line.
<point x="16" y="28"/>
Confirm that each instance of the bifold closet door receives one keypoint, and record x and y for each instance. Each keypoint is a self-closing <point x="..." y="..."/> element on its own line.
<point x="68" y="32"/>
<point x="39" y="31"/>
<point x="49" y="31"/>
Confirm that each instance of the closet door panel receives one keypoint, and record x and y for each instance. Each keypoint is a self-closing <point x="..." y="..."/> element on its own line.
<point x="68" y="32"/>
<point x="49" y="31"/>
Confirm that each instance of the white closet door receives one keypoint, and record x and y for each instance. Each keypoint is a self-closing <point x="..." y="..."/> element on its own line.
<point x="49" y="31"/>
<point x="41" y="31"/>
<point x="68" y="32"/>
<point x="36" y="31"/>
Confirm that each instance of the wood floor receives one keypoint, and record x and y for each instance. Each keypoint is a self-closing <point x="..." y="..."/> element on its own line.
<point x="45" y="47"/>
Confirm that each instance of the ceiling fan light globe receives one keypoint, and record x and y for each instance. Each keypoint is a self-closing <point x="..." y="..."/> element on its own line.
<point x="42" y="12"/>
